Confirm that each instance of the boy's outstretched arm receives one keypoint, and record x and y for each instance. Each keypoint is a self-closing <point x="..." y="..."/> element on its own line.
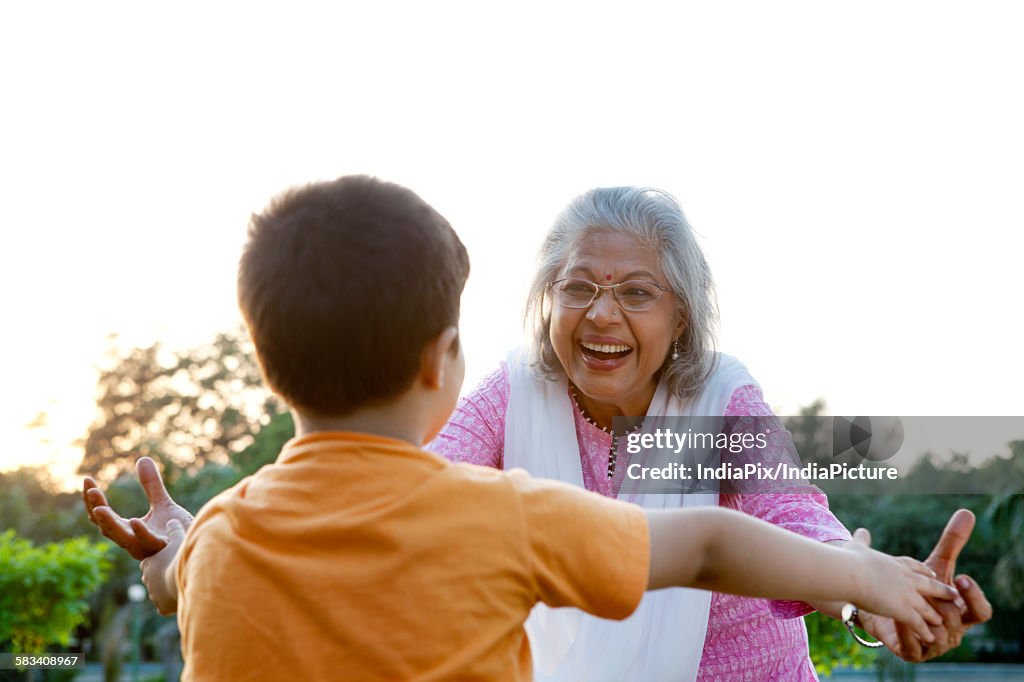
<point x="725" y="551"/>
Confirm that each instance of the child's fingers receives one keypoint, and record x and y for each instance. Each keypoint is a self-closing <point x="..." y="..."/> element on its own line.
<point x="928" y="584"/>
<point x="152" y="482"/>
<point x="117" y="529"/>
<point x="148" y="541"/>
<point x="175" y="532"/>
<point x="924" y="615"/>
<point x="92" y="497"/>
<point x="917" y="566"/>
<point x="87" y="485"/>
<point x="930" y="587"/>
<point x="930" y="614"/>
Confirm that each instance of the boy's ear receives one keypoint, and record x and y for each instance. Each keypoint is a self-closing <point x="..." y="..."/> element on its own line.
<point x="436" y="354"/>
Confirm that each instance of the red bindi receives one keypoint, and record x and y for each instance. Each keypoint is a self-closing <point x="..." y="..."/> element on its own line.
<point x="607" y="278"/>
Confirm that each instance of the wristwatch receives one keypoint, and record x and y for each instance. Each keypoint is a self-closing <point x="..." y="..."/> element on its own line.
<point x="849" y="616"/>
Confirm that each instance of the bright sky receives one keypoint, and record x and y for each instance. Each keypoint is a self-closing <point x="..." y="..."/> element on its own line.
<point x="854" y="170"/>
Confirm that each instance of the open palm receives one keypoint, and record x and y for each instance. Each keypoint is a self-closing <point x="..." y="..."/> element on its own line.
<point x="139" y="537"/>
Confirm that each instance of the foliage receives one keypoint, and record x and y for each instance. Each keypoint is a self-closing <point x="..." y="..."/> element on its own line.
<point x="185" y="408"/>
<point x="1006" y="515"/>
<point x="30" y="507"/>
<point x="908" y="524"/>
<point x="201" y="413"/>
<point x="833" y="647"/>
<point x="266" y="444"/>
<point x="43" y="590"/>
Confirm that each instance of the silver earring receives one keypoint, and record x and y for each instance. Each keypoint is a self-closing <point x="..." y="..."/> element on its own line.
<point x="675" y="349"/>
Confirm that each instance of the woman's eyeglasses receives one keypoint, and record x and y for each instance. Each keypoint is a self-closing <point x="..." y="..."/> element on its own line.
<point x="634" y="296"/>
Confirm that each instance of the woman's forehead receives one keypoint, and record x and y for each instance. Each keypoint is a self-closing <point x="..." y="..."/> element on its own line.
<point x="605" y="255"/>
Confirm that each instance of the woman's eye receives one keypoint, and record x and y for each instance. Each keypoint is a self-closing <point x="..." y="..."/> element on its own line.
<point x="578" y="288"/>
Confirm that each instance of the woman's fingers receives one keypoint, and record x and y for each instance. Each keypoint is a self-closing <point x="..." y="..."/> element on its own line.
<point x="978" y="608"/>
<point x="955" y="535"/>
<point x="861" y="536"/>
<point x="910" y="645"/>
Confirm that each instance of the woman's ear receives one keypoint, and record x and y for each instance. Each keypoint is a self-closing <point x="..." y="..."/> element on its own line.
<point x="436" y="356"/>
<point x="681" y="324"/>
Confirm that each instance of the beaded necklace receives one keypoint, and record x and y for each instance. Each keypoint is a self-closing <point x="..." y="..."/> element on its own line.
<point x="613" y="452"/>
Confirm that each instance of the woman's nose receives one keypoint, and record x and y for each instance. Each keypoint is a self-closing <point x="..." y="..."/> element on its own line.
<point x="604" y="309"/>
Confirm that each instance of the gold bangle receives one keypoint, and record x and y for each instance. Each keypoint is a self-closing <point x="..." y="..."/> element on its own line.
<point x="849" y="617"/>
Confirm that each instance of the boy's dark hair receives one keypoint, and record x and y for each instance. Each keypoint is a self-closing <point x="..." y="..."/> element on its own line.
<point x="342" y="284"/>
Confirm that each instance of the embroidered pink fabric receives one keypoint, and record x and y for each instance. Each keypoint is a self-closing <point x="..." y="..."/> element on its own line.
<point x="747" y="639"/>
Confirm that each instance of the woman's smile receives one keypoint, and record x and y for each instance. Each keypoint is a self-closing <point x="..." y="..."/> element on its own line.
<point x="604" y="354"/>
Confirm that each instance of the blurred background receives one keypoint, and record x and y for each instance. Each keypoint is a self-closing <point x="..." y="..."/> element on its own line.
<point x="853" y="172"/>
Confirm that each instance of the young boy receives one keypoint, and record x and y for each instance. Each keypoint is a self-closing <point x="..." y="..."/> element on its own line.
<point x="358" y="555"/>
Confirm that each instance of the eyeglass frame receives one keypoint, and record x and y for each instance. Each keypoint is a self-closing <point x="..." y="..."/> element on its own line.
<point x="613" y="287"/>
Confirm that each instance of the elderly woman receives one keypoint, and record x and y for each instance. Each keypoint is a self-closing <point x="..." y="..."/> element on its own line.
<point x="621" y="315"/>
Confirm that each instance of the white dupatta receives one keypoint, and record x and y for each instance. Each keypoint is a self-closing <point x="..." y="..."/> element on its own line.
<point x="664" y="638"/>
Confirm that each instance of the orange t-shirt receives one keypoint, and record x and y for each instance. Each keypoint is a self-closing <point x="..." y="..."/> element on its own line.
<point x="361" y="557"/>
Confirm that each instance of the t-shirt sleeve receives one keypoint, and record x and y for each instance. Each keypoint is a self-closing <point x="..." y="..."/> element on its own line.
<point x="583" y="550"/>
<point x="475" y="433"/>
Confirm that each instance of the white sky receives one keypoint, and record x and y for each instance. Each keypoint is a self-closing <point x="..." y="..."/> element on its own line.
<point x="855" y="171"/>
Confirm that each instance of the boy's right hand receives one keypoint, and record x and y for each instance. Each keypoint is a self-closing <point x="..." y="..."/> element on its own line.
<point x="898" y="587"/>
<point x="139" y="537"/>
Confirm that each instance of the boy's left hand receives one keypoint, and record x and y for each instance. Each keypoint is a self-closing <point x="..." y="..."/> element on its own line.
<point x="158" y="571"/>
<point x="138" y="537"/>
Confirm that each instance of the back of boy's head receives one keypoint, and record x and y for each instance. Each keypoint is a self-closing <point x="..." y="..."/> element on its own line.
<point x="342" y="284"/>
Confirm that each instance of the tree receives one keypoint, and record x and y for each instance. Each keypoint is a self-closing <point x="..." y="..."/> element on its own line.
<point x="1006" y="514"/>
<point x="186" y="408"/>
<point x="44" y="590"/>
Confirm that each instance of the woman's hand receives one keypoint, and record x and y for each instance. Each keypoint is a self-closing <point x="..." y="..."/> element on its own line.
<point x="901" y="588"/>
<point x="139" y="537"/>
<point x="955" y="621"/>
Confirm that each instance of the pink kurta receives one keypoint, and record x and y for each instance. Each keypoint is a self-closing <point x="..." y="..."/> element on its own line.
<point x="747" y="639"/>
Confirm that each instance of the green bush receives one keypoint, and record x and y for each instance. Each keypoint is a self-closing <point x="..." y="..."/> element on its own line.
<point x="832" y="646"/>
<point x="44" y="590"/>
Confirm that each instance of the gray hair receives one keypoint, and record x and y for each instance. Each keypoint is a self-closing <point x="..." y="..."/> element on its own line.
<point x="652" y="217"/>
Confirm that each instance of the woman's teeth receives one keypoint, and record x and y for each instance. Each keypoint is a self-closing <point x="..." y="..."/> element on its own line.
<point x="606" y="348"/>
<point x="606" y="351"/>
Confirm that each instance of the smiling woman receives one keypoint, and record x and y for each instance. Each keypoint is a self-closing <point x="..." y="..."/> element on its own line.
<point x="621" y="312"/>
